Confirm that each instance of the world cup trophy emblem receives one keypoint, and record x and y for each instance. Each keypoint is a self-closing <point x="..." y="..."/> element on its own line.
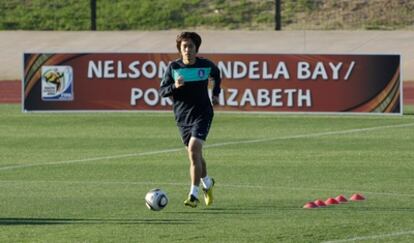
<point x="57" y="83"/>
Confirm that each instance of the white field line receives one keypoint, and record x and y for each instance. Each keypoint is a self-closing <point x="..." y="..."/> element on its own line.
<point x="372" y="237"/>
<point x="319" y="189"/>
<point x="318" y="134"/>
<point x="245" y="186"/>
<point x="120" y="156"/>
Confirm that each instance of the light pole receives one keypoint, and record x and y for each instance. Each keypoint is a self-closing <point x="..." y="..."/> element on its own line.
<point x="278" y="15"/>
<point x="93" y="14"/>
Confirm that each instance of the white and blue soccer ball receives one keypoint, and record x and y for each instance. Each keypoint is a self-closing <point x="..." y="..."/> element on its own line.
<point x="156" y="199"/>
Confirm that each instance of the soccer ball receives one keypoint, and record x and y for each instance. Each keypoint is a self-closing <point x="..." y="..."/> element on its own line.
<point x="156" y="199"/>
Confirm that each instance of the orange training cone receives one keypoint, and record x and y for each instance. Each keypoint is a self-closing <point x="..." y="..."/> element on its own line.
<point x="331" y="201"/>
<point x="341" y="199"/>
<point x="310" y="205"/>
<point x="357" y="197"/>
<point x="320" y="203"/>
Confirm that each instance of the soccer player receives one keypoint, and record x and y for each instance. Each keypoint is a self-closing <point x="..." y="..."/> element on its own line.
<point x="186" y="81"/>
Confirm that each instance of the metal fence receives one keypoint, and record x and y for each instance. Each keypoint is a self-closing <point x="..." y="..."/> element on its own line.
<point x="217" y="14"/>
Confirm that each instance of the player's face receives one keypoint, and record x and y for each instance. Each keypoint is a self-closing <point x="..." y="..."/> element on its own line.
<point x="188" y="51"/>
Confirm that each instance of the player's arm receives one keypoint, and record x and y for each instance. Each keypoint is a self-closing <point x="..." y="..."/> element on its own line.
<point x="215" y="75"/>
<point x="168" y="85"/>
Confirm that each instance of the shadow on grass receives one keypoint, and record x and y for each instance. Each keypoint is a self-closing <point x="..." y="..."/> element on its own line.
<point x="62" y="221"/>
<point x="233" y="211"/>
<point x="266" y="209"/>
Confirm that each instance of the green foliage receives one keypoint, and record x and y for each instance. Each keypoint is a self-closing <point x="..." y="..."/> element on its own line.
<point x="45" y="15"/>
<point x="207" y="14"/>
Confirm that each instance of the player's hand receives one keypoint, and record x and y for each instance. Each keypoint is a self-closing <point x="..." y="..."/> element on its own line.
<point x="179" y="82"/>
<point x="215" y="100"/>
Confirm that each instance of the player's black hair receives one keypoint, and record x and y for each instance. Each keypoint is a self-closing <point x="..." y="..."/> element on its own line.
<point x="188" y="35"/>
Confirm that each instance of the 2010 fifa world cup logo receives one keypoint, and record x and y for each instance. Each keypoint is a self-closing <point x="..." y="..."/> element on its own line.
<point x="57" y="83"/>
<point x="56" y="78"/>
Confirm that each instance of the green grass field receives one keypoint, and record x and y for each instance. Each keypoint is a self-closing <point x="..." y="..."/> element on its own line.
<point x="82" y="177"/>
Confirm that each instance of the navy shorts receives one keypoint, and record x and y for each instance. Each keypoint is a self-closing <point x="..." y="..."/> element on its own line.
<point x="199" y="130"/>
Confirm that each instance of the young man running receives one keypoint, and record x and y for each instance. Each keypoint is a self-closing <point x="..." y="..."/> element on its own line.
<point x="186" y="81"/>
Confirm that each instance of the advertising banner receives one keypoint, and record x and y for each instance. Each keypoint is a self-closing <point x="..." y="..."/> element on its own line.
<point x="250" y="82"/>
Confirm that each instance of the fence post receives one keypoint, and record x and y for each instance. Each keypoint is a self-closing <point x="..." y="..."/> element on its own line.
<point x="93" y="14"/>
<point x="278" y="15"/>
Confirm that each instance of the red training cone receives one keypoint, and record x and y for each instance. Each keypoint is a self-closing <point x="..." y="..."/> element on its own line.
<point x="331" y="201"/>
<point x="341" y="199"/>
<point x="320" y="203"/>
<point x="357" y="197"/>
<point x="310" y="205"/>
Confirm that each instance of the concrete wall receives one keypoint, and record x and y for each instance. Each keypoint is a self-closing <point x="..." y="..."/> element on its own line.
<point x="14" y="43"/>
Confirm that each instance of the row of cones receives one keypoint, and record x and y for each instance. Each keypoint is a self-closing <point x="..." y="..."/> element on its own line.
<point x="333" y="201"/>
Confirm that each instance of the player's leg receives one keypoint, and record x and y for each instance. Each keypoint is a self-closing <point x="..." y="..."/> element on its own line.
<point x="192" y="200"/>
<point x="203" y="167"/>
<point x="194" y="149"/>
<point x="207" y="184"/>
<point x="206" y="181"/>
<point x="195" y="156"/>
<point x="198" y="166"/>
<point x="201" y="132"/>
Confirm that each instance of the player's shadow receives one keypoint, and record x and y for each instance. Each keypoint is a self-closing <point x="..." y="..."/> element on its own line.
<point x="246" y="210"/>
<point x="221" y="211"/>
<point x="62" y="221"/>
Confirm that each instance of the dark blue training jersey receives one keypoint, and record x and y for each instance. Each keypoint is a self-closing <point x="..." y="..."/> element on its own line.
<point x="191" y="102"/>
